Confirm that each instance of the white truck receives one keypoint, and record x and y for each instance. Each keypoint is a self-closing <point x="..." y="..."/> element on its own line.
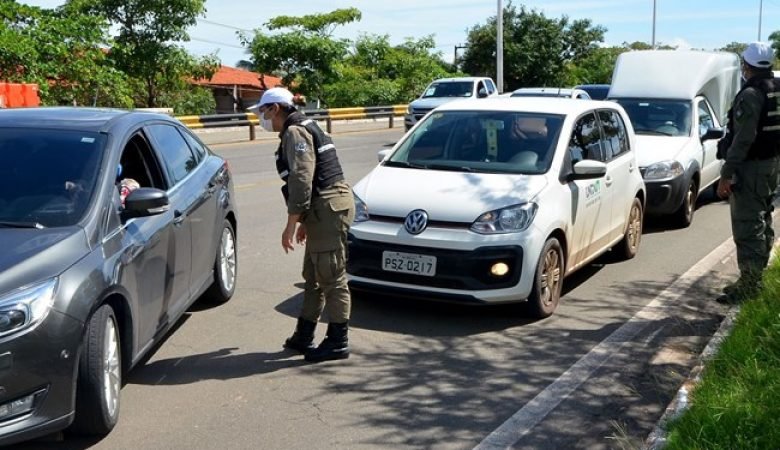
<point x="445" y="90"/>
<point x="677" y="101"/>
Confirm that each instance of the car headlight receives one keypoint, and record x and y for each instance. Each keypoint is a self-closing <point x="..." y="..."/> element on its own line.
<point x="361" y="210"/>
<point x="26" y="307"/>
<point x="409" y="109"/>
<point x="663" y="170"/>
<point x="507" y="220"/>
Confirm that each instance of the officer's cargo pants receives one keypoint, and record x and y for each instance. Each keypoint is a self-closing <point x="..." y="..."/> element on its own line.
<point x="751" y="214"/>
<point x="325" y="258"/>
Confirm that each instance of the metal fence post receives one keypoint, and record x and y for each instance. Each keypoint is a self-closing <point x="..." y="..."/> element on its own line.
<point x="330" y="125"/>
<point x="391" y="120"/>
<point x="252" y="132"/>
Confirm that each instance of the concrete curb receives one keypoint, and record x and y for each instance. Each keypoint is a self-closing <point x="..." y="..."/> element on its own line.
<point x="657" y="438"/>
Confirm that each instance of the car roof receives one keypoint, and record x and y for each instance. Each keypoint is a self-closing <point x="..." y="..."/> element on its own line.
<point x="544" y="105"/>
<point x="76" y="118"/>
<point x="458" y="79"/>
<point x="546" y="90"/>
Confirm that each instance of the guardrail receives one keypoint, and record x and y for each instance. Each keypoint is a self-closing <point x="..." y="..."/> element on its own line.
<point x="327" y="115"/>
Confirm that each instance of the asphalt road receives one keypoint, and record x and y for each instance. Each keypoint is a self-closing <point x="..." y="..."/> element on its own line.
<point x="422" y="375"/>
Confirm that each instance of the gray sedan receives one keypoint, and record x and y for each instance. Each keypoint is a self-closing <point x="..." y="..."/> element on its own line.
<point x="112" y="223"/>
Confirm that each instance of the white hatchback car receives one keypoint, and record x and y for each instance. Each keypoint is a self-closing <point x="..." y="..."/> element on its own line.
<point x="496" y="201"/>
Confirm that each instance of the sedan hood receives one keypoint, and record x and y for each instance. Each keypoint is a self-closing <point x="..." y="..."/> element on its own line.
<point x="444" y="195"/>
<point x="653" y="149"/>
<point x="31" y="255"/>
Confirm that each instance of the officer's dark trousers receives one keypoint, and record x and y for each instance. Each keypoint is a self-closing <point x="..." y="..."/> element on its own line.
<point x="751" y="214"/>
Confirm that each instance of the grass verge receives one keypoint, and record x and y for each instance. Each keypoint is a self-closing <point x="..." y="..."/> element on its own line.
<point x="737" y="403"/>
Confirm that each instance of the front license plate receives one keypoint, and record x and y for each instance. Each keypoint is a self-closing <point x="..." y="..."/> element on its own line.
<point x="409" y="263"/>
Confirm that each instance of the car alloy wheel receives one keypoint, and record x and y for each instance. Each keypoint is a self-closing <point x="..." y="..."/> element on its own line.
<point x="227" y="259"/>
<point x="112" y="377"/>
<point x="634" y="232"/>
<point x="551" y="277"/>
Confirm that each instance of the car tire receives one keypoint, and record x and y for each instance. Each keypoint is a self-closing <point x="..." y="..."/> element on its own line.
<point x="99" y="376"/>
<point x="225" y="266"/>
<point x="548" y="279"/>
<point x="684" y="216"/>
<point x="629" y="246"/>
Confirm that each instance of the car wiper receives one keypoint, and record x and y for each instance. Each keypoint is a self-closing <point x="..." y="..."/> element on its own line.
<point x="10" y="224"/>
<point x="450" y="168"/>
<point x="656" y="132"/>
<point x="405" y="164"/>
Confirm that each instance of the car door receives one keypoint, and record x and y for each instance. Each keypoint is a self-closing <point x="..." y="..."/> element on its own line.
<point x="178" y="165"/>
<point x="592" y="198"/>
<point x="206" y="215"/>
<point x="620" y="165"/>
<point x="710" y="170"/>
<point x="136" y="249"/>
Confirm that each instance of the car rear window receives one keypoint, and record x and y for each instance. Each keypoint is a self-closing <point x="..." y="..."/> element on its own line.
<point x="47" y="177"/>
<point x="482" y="141"/>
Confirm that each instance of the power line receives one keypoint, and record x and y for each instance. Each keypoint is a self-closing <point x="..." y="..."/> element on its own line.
<point x="211" y="22"/>
<point x="223" y="44"/>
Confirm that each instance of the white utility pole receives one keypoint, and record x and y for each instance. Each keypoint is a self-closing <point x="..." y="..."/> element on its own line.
<point x="500" y="47"/>
<point x="760" y="13"/>
<point x="653" y="43"/>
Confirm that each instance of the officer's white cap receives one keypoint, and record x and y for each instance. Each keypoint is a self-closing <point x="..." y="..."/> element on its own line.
<point x="274" y="95"/>
<point x="759" y="54"/>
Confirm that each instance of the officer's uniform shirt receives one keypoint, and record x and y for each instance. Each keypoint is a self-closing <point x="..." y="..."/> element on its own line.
<point x="747" y="114"/>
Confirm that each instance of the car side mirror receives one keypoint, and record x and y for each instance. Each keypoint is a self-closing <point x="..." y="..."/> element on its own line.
<point x="145" y="202"/>
<point x="384" y="154"/>
<point x="588" y="169"/>
<point x="713" y="133"/>
<point x="482" y="93"/>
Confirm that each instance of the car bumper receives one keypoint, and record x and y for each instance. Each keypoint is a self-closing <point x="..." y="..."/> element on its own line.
<point x="463" y="261"/>
<point x="665" y="197"/>
<point x="40" y="362"/>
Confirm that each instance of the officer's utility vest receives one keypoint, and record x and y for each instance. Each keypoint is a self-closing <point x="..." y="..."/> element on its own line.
<point x="327" y="169"/>
<point x="767" y="142"/>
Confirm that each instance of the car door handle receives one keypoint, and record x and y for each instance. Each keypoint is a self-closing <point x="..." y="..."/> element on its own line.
<point x="608" y="181"/>
<point x="631" y="167"/>
<point x="178" y="217"/>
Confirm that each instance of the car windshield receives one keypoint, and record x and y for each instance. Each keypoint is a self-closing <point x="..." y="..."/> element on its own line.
<point x="449" y="89"/>
<point x="47" y="177"/>
<point x="481" y="141"/>
<point x="659" y="117"/>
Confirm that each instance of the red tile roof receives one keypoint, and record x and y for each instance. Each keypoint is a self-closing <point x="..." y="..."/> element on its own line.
<point x="230" y="76"/>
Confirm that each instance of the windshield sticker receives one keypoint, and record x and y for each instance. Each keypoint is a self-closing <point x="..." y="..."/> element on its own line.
<point x="88" y="140"/>
<point x="492" y="127"/>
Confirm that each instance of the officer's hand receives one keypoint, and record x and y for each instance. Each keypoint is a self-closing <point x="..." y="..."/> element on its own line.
<point x="300" y="235"/>
<point x="287" y="238"/>
<point x="724" y="188"/>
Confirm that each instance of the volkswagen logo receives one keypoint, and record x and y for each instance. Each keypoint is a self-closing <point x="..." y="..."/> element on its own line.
<point x="416" y="221"/>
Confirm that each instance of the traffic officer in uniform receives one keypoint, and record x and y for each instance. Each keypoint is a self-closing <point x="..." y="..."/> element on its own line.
<point x="750" y="173"/>
<point x="320" y="209"/>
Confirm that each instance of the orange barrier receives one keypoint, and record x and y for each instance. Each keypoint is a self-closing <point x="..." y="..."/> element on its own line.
<point x="18" y="95"/>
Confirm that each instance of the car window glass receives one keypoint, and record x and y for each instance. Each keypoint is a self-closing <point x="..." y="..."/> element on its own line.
<point x="179" y="159"/>
<point x="481" y="141"/>
<point x="491" y="87"/>
<point x="705" y="118"/>
<point x="450" y="89"/>
<point x="48" y="177"/>
<point x="198" y="148"/>
<point x="585" y="140"/>
<point x="615" y="141"/>
<point x="659" y="117"/>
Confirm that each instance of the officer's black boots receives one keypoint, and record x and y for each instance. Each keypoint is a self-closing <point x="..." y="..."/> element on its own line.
<point x="335" y="345"/>
<point x="303" y="338"/>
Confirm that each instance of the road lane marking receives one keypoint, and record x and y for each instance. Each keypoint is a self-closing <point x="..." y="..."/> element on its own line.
<point x="527" y="417"/>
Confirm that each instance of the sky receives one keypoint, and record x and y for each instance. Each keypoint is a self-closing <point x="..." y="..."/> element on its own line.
<point x="706" y="24"/>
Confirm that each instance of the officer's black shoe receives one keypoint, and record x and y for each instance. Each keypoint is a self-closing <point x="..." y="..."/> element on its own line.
<point x="303" y="338"/>
<point x="335" y="345"/>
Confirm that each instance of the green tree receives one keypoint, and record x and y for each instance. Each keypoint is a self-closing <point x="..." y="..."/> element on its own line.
<point x="62" y="51"/>
<point x="734" y="47"/>
<point x="378" y="73"/>
<point x="536" y="48"/>
<point x="144" y="50"/>
<point x="306" y="55"/>
<point x="774" y="38"/>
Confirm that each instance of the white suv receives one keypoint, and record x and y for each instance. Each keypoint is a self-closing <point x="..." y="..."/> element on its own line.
<point x="496" y="201"/>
